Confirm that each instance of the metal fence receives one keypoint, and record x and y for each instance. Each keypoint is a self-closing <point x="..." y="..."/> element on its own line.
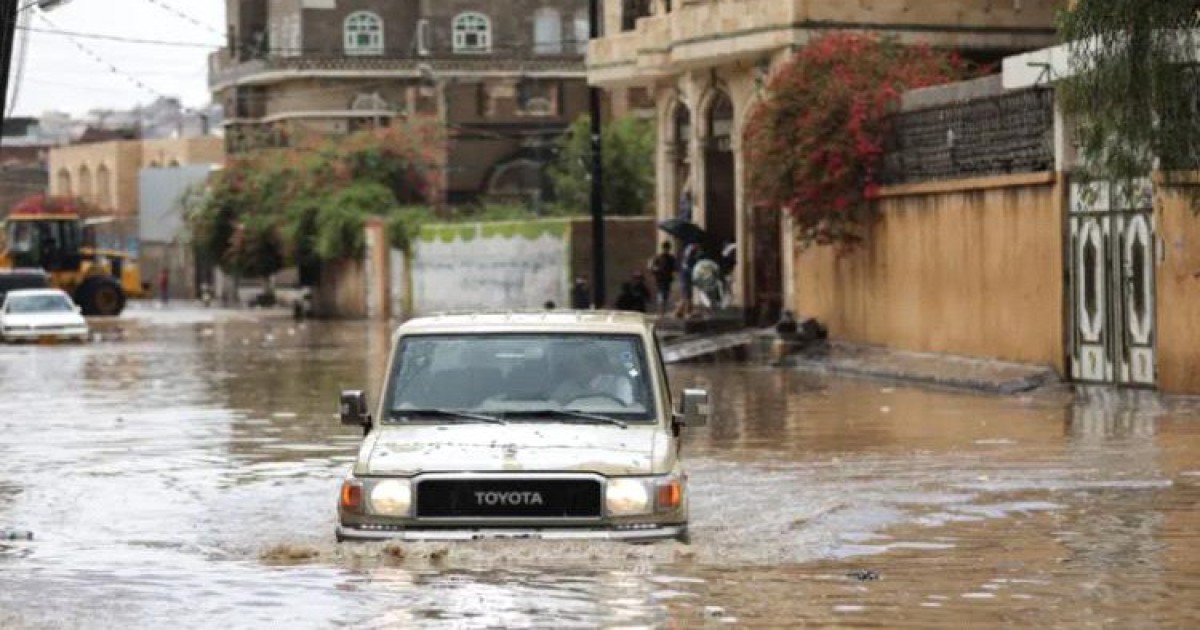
<point x="999" y="135"/>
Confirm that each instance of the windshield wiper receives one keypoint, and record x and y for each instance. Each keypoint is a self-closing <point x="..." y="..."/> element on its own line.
<point x="457" y="414"/>
<point x="571" y="414"/>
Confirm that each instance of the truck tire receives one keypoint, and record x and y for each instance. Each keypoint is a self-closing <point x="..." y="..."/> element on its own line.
<point x="100" y="297"/>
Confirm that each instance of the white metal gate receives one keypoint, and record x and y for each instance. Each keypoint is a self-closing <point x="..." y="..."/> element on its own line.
<point x="1111" y="283"/>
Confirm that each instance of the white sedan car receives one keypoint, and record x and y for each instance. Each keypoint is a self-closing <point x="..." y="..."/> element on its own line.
<point x="37" y="314"/>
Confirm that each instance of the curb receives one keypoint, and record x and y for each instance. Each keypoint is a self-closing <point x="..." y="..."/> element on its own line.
<point x="1005" y="387"/>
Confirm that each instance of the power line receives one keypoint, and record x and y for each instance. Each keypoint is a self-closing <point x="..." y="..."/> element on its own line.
<point x="118" y="38"/>
<point x="22" y="57"/>
<point x="184" y="16"/>
<point x="112" y="68"/>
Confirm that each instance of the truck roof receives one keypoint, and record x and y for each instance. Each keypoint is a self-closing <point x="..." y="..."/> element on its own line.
<point x="618" y="322"/>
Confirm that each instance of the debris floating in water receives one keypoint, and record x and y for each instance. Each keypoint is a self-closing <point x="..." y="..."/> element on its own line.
<point x="863" y="575"/>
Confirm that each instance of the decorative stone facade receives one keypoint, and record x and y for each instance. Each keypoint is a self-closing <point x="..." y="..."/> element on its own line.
<point x="707" y="62"/>
<point x="506" y="77"/>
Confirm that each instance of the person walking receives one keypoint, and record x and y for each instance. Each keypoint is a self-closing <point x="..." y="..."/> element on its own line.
<point x="663" y="267"/>
<point x="691" y="255"/>
<point x="163" y="286"/>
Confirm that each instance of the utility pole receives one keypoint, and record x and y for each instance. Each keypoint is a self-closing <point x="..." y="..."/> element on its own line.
<point x="9" y="12"/>
<point x="598" y="263"/>
<point x="8" y="34"/>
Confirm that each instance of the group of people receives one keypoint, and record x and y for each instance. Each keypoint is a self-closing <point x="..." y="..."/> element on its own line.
<point x="691" y="268"/>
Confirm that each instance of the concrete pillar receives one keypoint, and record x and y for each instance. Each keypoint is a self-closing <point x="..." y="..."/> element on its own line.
<point x="377" y="268"/>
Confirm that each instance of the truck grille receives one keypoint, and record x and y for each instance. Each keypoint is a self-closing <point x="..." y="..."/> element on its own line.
<point x="509" y="498"/>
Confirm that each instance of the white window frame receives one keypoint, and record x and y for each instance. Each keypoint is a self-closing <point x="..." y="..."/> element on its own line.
<point x="423" y="38"/>
<point x="472" y="23"/>
<point x="582" y="25"/>
<point x="353" y="27"/>
<point x="547" y="31"/>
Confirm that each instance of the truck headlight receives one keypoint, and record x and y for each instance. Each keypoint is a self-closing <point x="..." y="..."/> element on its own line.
<point x="392" y="497"/>
<point x="627" y="497"/>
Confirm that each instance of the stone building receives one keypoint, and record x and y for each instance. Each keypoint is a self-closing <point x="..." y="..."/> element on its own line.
<point x="706" y="63"/>
<point x="141" y="183"/>
<point x="105" y="174"/>
<point x="506" y="78"/>
<point x="23" y="152"/>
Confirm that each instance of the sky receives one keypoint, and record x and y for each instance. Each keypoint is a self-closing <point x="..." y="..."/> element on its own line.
<point x="58" y="75"/>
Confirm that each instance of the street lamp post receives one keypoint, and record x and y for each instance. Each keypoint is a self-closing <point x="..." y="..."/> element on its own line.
<point x="597" y="197"/>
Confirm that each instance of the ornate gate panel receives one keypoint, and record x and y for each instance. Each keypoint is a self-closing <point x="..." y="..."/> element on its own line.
<point x="1111" y="283"/>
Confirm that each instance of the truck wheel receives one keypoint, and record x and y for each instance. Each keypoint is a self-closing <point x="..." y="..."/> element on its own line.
<point x="101" y="298"/>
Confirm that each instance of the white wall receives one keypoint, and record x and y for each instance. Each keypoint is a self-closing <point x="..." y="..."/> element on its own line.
<point x="497" y="266"/>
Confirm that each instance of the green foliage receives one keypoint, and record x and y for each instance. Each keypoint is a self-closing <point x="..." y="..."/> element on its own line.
<point x="307" y="204"/>
<point x="340" y="220"/>
<point x="404" y="225"/>
<point x="814" y="147"/>
<point x="255" y="250"/>
<point x="1136" y="85"/>
<point x="628" y="149"/>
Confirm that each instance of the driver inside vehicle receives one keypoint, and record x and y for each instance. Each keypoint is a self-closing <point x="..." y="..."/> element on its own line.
<point x="586" y="371"/>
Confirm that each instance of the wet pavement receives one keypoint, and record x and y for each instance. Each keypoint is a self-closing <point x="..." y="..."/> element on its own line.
<point x="182" y="469"/>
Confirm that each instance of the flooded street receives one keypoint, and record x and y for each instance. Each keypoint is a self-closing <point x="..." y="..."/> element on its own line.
<point x="183" y="469"/>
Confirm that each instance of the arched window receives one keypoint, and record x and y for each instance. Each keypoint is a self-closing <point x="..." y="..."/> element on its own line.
<point x="583" y="31"/>
<point x="369" y="102"/>
<point x="472" y="33"/>
<point x="547" y="32"/>
<point x="104" y="187"/>
<point x="64" y="183"/>
<point x="364" y="34"/>
<point x="85" y="183"/>
<point x="720" y="122"/>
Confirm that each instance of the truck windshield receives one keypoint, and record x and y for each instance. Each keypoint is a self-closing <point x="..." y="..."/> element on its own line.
<point x="521" y="377"/>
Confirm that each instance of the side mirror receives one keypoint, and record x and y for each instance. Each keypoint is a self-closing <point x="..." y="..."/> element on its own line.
<point x="354" y="409"/>
<point x="693" y="408"/>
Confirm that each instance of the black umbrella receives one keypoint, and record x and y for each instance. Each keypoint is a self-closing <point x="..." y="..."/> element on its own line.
<point x="685" y="231"/>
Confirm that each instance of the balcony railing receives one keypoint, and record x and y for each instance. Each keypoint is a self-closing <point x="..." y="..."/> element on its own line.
<point x="224" y="71"/>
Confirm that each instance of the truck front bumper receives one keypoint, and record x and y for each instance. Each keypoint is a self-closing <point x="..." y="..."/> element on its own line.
<point x="639" y="534"/>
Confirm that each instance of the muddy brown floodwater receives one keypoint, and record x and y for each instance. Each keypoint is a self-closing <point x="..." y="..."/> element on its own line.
<point x="182" y="470"/>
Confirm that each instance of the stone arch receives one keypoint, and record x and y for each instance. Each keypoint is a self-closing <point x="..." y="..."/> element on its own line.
<point x="86" y="191"/>
<point x="64" y="183"/>
<point x="521" y="176"/>
<point x="677" y="129"/>
<point x="104" y="187"/>
<point x="718" y="166"/>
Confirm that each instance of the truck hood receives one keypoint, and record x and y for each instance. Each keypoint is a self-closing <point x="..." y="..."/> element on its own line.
<point x="608" y="450"/>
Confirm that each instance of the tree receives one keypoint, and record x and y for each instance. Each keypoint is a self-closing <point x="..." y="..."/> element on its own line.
<point x="628" y="148"/>
<point x="1135" y="86"/>
<point x="307" y="204"/>
<point x="815" y="145"/>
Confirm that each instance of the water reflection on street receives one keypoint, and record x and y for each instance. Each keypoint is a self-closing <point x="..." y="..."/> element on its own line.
<point x="183" y="469"/>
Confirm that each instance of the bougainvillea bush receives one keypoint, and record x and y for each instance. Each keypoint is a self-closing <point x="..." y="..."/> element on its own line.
<point x="814" y="146"/>
<point x="47" y="204"/>
<point x="307" y="203"/>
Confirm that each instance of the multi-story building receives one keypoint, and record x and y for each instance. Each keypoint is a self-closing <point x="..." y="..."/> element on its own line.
<point x="506" y="78"/>
<point x="24" y="148"/>
<point x="706" y="63"/>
